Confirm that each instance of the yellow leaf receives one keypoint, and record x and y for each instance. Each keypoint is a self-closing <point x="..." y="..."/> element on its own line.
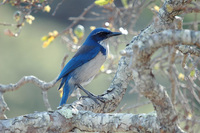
<point x="61" y="92"/>
<point x="44" y="38"/>
<point x="48" y="39"/>
<point x="75" y="39"/>
<point x="102" y="69"/>
<point x="45" y="44"/>
<point x="29" y="21"/>
<point x="50" y="33"/>
<point x="23" y="24"/>
<point x="189" y="116"/>
<point x="156" y="8"/>
<point x="169" y="8"/>
<point x="29" y="18"/>
<point x="110" y="56"/>
<point x="55" y="33"/>
<point x="103" y="2"/>
<point x="181" y="76"/>
<point x="92" y="27"/>
<point x="47" y="8"/>
<point x="51" y="38"/>
<point x="157" y="66"/>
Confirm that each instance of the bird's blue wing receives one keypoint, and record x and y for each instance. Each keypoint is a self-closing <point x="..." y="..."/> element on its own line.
<point x="83" y="55"/>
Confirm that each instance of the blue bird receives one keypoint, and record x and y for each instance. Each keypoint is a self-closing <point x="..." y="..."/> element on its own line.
<point x="85" y="64"/>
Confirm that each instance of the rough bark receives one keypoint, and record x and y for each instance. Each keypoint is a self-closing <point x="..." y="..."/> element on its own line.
<point x="86" y="115"/>
<point x="69" y="118"/>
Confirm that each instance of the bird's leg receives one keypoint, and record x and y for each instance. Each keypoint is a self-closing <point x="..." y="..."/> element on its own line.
<point x="90" y="95"/>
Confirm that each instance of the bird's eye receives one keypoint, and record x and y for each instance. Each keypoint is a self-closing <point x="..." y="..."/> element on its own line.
<point x="100" y="34"/>
<point x="103" y="33"/>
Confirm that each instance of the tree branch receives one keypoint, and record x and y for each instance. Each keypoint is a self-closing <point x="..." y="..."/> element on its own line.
<point x="67" y="118"/>
<point x="144" y="78"/>
<point x="86" y="10"/>
<point x="139" y="51"/>
<point x="185" y="49"/>
<point x="27" y="79"/>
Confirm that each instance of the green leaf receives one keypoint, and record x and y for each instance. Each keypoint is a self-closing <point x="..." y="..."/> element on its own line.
<point x="103" y="2"/>
<point x="44" y="38"/>
<point x="192" y="73"/>
<point x="79" y="31"/>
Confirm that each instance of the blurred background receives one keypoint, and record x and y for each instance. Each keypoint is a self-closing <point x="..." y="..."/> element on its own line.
<point x="24" y="55"/>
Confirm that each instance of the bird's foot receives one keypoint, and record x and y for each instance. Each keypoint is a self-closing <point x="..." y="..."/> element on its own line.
<point x="100" y="98"/>
<point x="59" y="107"/>
<point x="90" y="95"/>
<point x="94" y="98"/>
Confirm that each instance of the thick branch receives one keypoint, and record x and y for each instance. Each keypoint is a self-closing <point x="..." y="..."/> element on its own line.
<point x="71" y="116"/>
<point x="68" y="118"/>
<point x="144" y="78"/>
<point x="113" y="94"/>
<point x="166" y="38"/>
<point x="166" y="16"/>
<point x="112" y="98"/>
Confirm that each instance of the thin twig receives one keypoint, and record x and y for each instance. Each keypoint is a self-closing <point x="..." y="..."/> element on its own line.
<point x="63" y="62"/>
<point x="2" y="3"/>
<point x="6" y="24"/>
<point x="188" y="49"/>
<point x="58" y="5"/>
<point x="137" y="106"/>
<point x="3" y="107"/>
<point x="46" y="101"/>
<point x="76" y="21"/>
<point x="87" y="19"/>
<point x="171" y="77"/>
<point x="27" y="79"/>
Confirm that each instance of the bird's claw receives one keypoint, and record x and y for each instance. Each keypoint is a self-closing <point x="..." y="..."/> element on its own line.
<point x="59" y="107"/>
<point x="100" y="98"/>
<point x="82" y="97"/>
<point x="95" y="98"/>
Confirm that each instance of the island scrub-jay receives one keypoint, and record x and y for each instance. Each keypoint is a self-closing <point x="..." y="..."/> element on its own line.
<point x="85" y="64"/>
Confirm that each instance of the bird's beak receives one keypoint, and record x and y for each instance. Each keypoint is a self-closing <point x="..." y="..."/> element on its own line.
<point x="114" y="34"/>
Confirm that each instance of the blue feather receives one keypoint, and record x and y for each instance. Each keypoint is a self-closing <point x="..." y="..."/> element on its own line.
<point x="65" y="95"/>
<point x="62" y="82"/>
<point x="85" y="64"/>
<point x="83" y="55"/>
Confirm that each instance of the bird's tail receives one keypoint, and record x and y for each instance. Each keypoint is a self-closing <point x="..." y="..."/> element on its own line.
<point x="65" y="95"/>
<point x="64" y="80"/>
<point x="67" y="90"/>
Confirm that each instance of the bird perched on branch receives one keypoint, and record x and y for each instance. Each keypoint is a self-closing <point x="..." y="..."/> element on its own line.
<point x="85" y="64"/>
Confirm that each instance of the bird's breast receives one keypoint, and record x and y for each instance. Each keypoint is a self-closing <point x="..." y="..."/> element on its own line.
<point x="85" y="73"/>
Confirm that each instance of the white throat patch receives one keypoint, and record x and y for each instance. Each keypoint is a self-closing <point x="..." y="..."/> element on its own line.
<point x="104" y="43"/>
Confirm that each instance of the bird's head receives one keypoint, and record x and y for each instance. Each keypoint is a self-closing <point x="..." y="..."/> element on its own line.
<point x="100" y="34"/>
